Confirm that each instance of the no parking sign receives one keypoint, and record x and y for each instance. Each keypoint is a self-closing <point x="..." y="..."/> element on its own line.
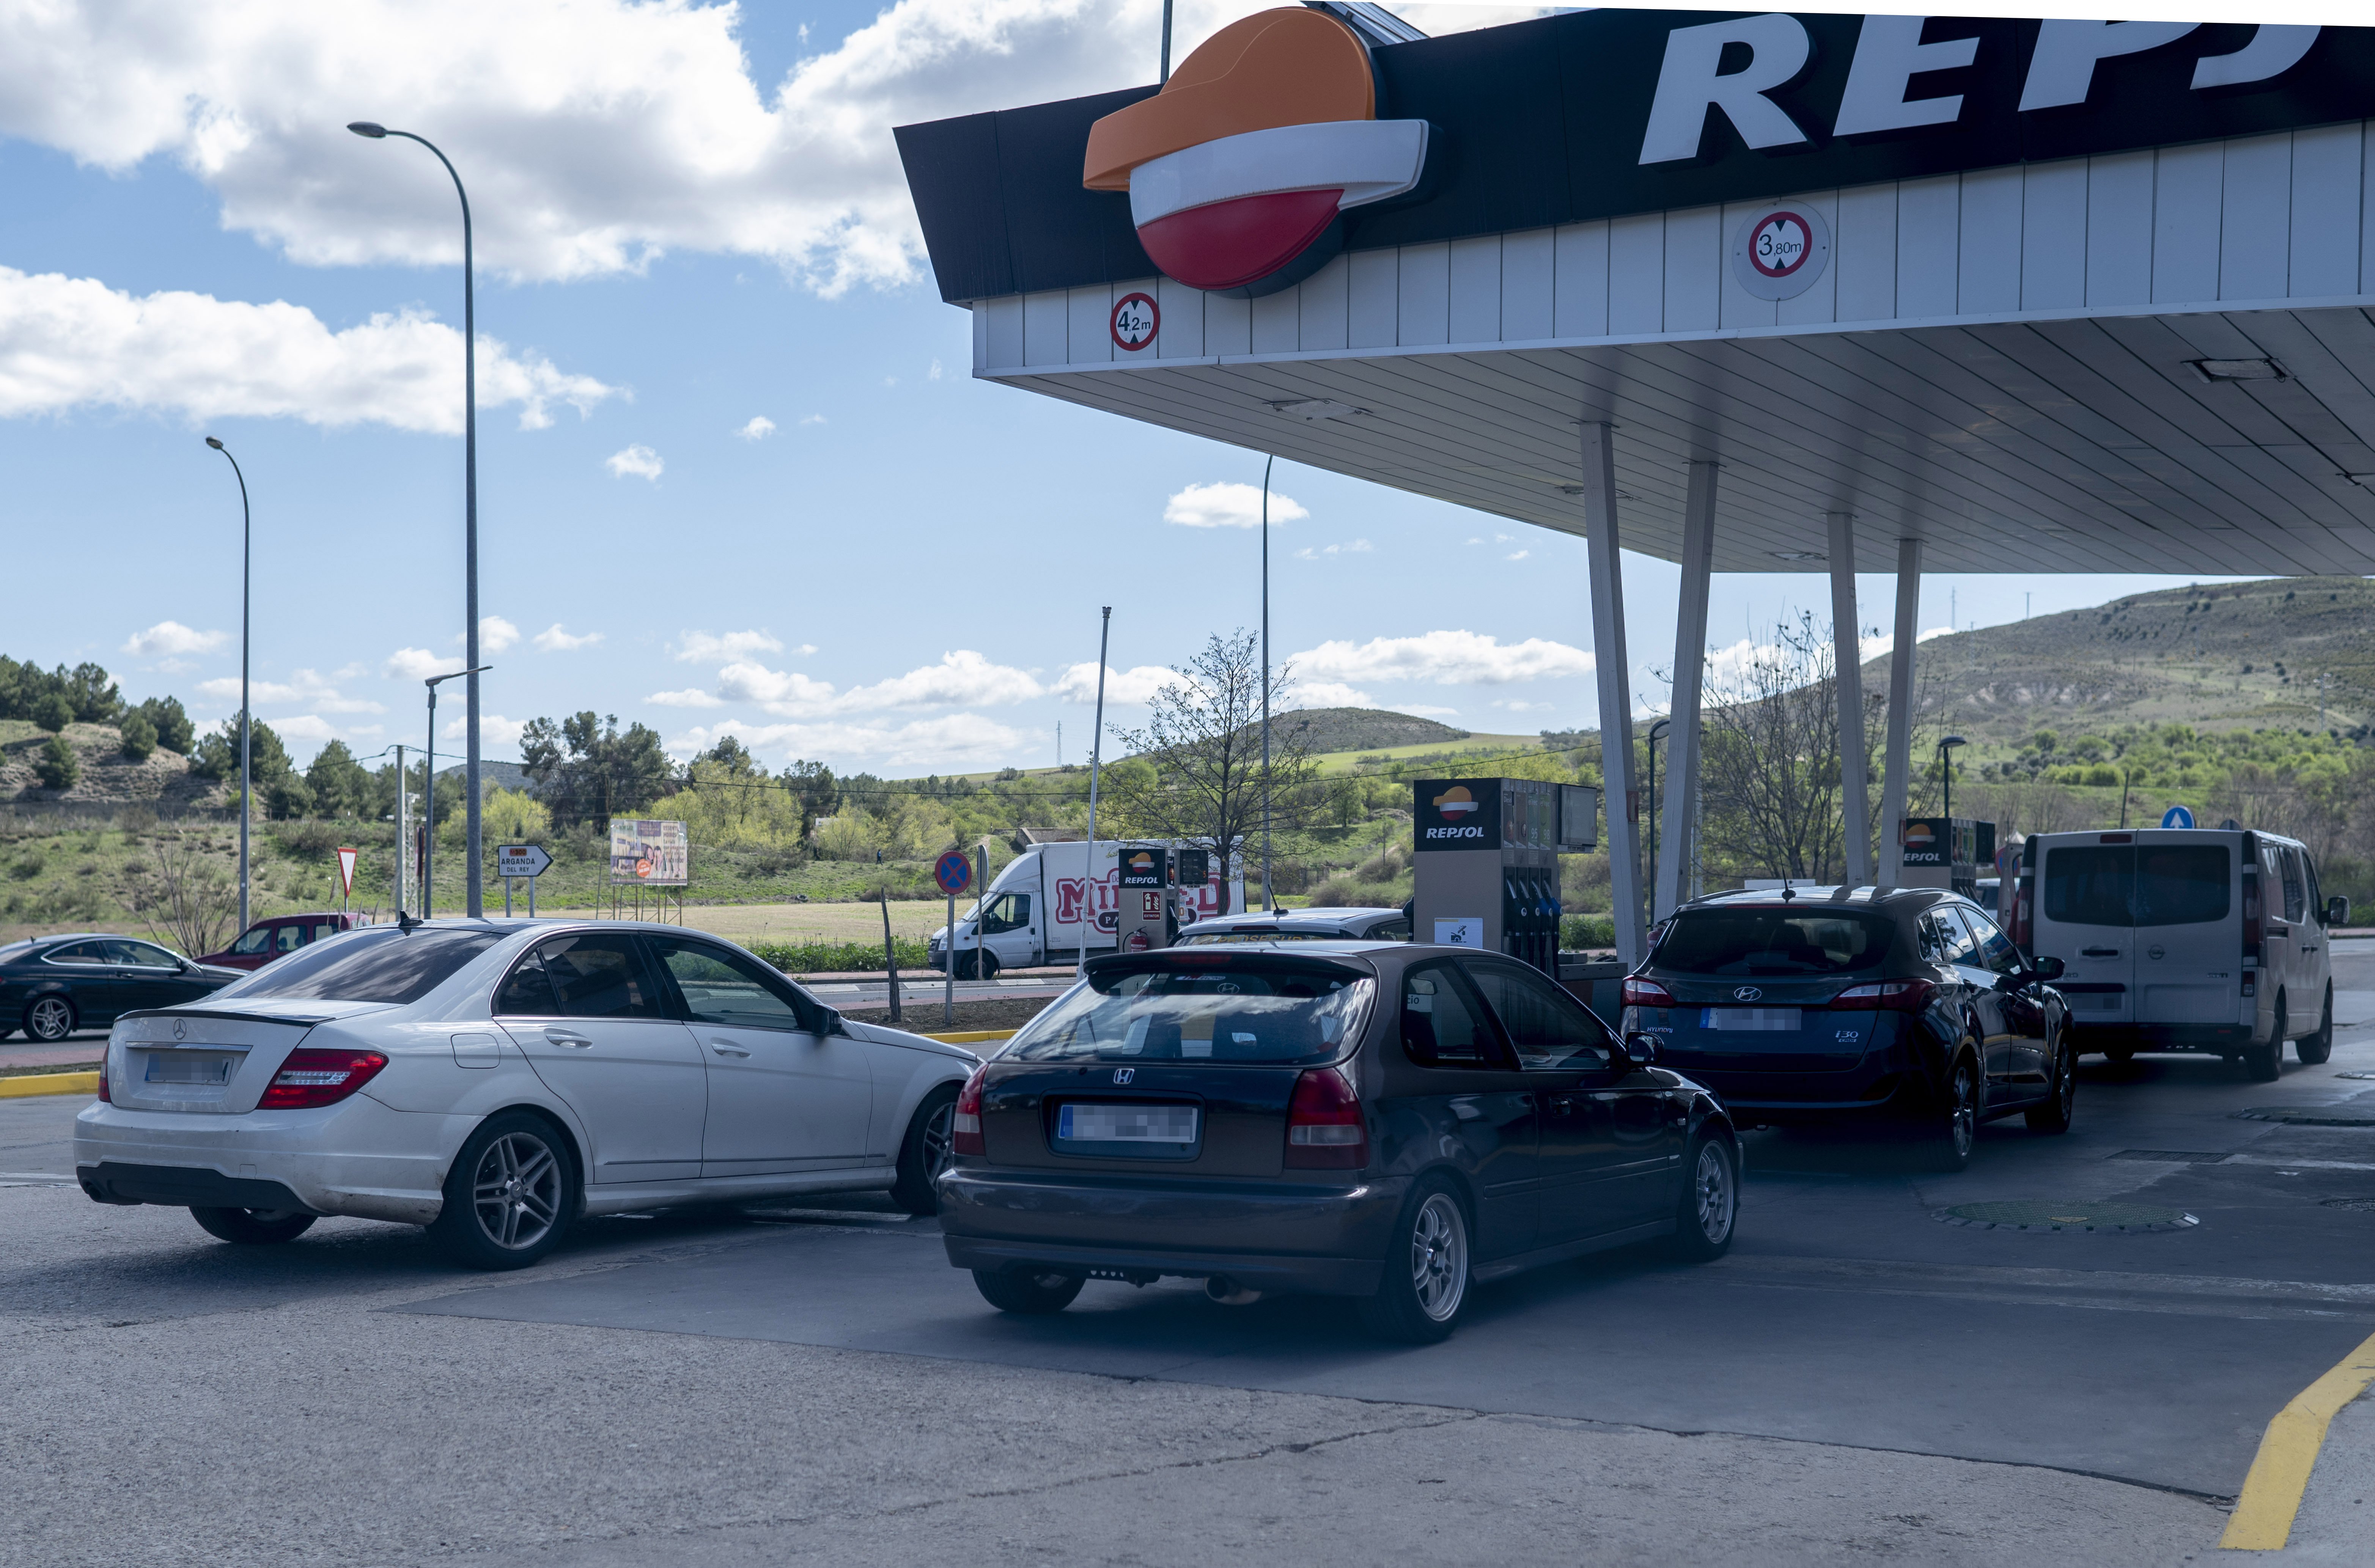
<point x="953" y="872"/>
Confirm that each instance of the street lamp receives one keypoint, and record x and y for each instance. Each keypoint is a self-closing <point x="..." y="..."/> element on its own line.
<point x="1269" y="900"/>
<point x="428" y="805"/>
<point x="470" y="494"/>
<point x="1946" y="777"/>
<point x="246" y="719"/>
<point x="1654" y="730"/>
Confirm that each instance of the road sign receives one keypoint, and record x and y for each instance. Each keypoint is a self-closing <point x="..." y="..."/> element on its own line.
<point x="521" y="860"/>
<point x="953" y="872"/>
<point x="2177" y="817"/>
<point x="347" y="871"/>
<point x="1136" y="319"/>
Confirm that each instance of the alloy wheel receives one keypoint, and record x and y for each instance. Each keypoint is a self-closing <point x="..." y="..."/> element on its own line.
<point x="1439" y="1257"/>
<point x="52" y="1018"/>
<point x="1711" y="1185"/>
<point x="1964" y="1127"/>
<point x="517" y="1187"/>
<point x="2067" y="1090"/>
<point x="939" y="1144"/>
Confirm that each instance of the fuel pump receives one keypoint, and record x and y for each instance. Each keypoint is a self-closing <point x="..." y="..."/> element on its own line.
<point x="1486" y="861"/>
<point x="1146" y="917"/>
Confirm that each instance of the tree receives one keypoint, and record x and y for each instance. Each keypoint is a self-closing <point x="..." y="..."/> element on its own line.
<point x="1203" y="781"/>
<point x="586" y="769"/>
<point x="217" y="754"/>
<point x="813" y="785"/>
<point x="287" y="798"/>
<point x="339" y="786"/>
<point x="186" y="895"/>
<point x="52" y="712"/>
<point x="171" y="724"/>
<point x="93" y="693"/>
<point x="1769" y="763"/>
<point x="57" y="767"/>
<point x="140" y="737"/>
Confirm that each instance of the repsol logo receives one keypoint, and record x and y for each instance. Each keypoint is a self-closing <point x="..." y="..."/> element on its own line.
<point x="1455" y="833"/>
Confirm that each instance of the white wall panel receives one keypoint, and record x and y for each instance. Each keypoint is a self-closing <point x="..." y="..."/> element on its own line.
<point x="1324" y="295"/>
<point x="1228" y="325"/>
<point x="1579" y="300"/>
<point x="2187" y="184"/>
<point x="1045" y="338"/>
<point x="980" y="325"/>
<point x="1636" y="272"/>
<point x="1475" y="314"/>
<point x="1929" y="250"/>
<point x="1425" y="293"/>
<point x="1089" y="316"/>
<point x="1693" y="253"/>
<point x="2119" y="230"/>
<point x="2367" y="208"/>
<point x="1820" y="301"/>
<point x="1277" y="323"/>
<point x="1376" y="306"/>
<point x="1182" y="336"/>
<point x="2255" y="219"/>
<point x="2052" y="235"/>
<point x="1740" y="308"/>
<point x="2324" y="217"/>
<point x="1988" y="242"/>
<point x="1863" y="253"/>
<point x="1527" y="267"/>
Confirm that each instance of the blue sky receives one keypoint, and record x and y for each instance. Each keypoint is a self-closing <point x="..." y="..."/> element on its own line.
<point x="900" y="570"/>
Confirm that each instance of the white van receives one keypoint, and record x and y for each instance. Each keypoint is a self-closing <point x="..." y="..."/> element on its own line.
<point x="2184" y="940"/>
<point x="1044" y="908"/>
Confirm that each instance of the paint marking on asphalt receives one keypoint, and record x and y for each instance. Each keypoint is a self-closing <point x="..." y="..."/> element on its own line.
<point x="2263" y="1520"/>
<point x="2299" y="1165"/>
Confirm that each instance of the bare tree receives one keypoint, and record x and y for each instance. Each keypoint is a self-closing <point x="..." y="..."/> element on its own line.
<point x="185" y="896"/>
<point x="1195" y="770"/>
<point x="1769" y="783"/>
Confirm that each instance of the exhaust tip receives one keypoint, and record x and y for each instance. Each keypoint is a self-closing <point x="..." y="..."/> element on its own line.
<point x="1228" y="1292"/>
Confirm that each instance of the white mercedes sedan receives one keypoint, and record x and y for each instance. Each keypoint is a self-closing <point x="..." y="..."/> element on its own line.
<point x="494" y="1079"/>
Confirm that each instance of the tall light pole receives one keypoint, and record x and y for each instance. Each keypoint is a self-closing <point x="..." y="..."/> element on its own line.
<point x="1270" y="901"/>
<point x="246" y="719"/>
<point x="1655" y="729"/>
<point x="429" y="802"/>
<point x="469" y="505"/>
<point x="1946" y="780"/>
<point x="1090" y="880"/>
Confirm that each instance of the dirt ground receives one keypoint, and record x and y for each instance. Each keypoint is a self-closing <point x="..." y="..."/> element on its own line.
<point x="995" y="1012"/>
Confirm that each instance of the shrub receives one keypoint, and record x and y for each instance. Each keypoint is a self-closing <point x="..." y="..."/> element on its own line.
<point x="310" y="839"/>
<point x="812" y="958"/>
<point x="287" y="796"/>
<point x="57" y="767"/>
<point x="1581" y="932"/>
<point x="54" y="713"/>
<point x="140" y="737"/>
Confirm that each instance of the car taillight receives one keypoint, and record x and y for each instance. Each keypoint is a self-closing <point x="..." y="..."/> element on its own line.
<point x="1896" y="995"/>
<point x="964" y="1127"/>
<point x="2253" y="933"/>
<point x="310" y="1078"/>
<point x="1641" y="993"/>
<point x="1324" y="1130"/>
<point x="104" y="1097"/>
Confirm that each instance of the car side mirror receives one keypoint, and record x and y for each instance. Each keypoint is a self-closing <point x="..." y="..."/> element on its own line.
<point x="2047" y="969"/>
<point x="2337" y="909"/>
<point x="830" y="1022"/>
<point x="1640" y="1050"/>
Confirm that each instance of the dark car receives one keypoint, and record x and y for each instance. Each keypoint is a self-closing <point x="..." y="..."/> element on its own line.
<point x="1385" y="1122"/>
<point x="1360" y="925"/>
<point x="1855" y="1005"/>
<point x="51" y="986"/>
<point x="279" y="936"/>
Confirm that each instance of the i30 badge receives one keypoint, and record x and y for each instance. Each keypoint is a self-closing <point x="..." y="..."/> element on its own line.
<point x="1240" y="168"/>
<point x="1747" y="994"/>
<point x="1123" y="1075"/>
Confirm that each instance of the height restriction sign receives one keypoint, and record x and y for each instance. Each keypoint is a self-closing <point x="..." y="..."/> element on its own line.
<point x="1136" y="319"/>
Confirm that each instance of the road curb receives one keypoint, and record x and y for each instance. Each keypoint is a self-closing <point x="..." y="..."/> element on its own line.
<point x="2263" y="1520"/>
<point x="26" y="1085"/>
<point x="972" y="1036"/>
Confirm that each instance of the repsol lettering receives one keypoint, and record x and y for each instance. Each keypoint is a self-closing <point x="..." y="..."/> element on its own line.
<point x="1455" y="833"/>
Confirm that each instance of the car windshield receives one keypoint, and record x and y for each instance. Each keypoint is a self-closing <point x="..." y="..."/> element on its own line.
<point x="1249" y="1009"/>
<point x="385" y="964"/>
<point x="1773" y="941"/>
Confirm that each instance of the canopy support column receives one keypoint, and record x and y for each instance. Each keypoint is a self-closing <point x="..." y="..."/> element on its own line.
<point x="1620" y="801"/>
<point x="1900" y="713"/>
<point x="1855" y="805"/>
<point x="1690" y="671"/>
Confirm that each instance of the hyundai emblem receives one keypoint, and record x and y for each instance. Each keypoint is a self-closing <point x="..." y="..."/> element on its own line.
<point x="1747" y="994"/>
<point x="1123" y="1075"/>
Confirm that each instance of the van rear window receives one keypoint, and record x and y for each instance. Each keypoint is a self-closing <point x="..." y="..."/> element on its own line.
<point x="2182" y="884"/>
<point x="1774" y="941"/>
<point x="2117" y="885"/>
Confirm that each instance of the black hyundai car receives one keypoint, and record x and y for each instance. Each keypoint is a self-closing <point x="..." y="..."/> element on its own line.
<point x="1844" y="1004"/>
<point x="50" y="987"/>
<point x="1372" y="1120"/>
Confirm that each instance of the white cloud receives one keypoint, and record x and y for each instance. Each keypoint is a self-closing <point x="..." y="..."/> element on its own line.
<point x="1517" y="555"/>
<point x="690" y="697"/>
<point x="704" y="648"/>
<point x="638" y="459"/>
<point x="1517" y="706"/>
<point x="74" y="342"/>
<point x="418" y="664"/>
<point x="553" y="640"/>
<point x="1424" y="711"/>
<point x="304" y="686"/>
<point x="1133" y="686"/>
<point x="304" y="726"/>
<point x="170" y="637"/>
<point x="1228" y="505"/>
<point x="495" y="733"/>
<point x="814" y="419"/>
<point x="787" y="692"/>
<point x="1330" y="694"/>
<point x="962" y="678"/>
<point x="940" y="743"/>
<point x="1354" y="546"/>
<point x="1449" y="658"/>
<point x="1934" y="631"/>
<point x="758" y="429"/>
<point x="495" y="634"/>
<point x="934" y="373"/>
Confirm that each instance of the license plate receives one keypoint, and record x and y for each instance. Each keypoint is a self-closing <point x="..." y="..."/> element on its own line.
<point x="1172" y="1125"/>
<point x="1775" y="1019"/>
<point x="188" y="1067"/>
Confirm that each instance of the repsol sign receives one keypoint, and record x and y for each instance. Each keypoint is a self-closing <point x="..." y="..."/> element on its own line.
<point x="1456" y="813"/>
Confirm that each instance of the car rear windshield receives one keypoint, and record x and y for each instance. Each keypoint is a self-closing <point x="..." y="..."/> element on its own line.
<point x="386" y="964"/>
<point x="2160" y="884"/>
<point x="1274" y="1011"/>
<point x="1218" y="938"/>
<point x="1774" y="941"/>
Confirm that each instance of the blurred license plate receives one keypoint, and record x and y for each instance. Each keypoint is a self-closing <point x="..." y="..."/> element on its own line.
<point x="1126" y="1123"/>
<point x="1775" y="1019"/>
<point x="188" y="1067"/>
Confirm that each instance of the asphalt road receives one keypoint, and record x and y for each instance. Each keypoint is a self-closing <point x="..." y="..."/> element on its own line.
<point x="1857" y="1378"/>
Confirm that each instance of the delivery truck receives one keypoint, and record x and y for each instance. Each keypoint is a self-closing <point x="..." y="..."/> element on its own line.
<point x="1045" y="906"/>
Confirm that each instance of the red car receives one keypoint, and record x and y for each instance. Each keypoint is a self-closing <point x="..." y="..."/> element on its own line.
<point x="269" y="940"/>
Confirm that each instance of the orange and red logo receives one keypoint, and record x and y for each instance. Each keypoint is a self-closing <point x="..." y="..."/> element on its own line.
<point x="1455" y="802"/>
<point x="1240" y="169"/>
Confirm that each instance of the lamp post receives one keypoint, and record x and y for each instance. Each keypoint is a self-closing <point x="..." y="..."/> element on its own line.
<point x="246" y="719"/>
<point x="428" y="805"/>
<point x="1270" y="901"/>
<point x="469" y="502"/>
<point x="1946" y="778"/>
<point x="1652" y="797"/>
<point x="1090" y="880"/>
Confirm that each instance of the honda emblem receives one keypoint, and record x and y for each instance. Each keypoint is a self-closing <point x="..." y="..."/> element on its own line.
<point x="1123" y="1075"/>
<point x="1747" y="994"/>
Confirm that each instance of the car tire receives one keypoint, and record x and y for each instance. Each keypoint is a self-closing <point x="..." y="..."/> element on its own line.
<point x="253" y="1227"/>
<point x="1032" y="1292"/>
<point x="50" y="1019"/>
<point x="510" y="1195"/>
<point x="1955" y="1130"/>
<point x="2119" y="1056"/>
<point x="2314" y="1049"/>
<point x="2265" y="1064"/>
<point x="1709" y="1207"/>
<point x="989" y="965"/>
<point x="2062" y="1096"/>
<point x="1424" y="1288"/>
<point x="924" y="1152"/>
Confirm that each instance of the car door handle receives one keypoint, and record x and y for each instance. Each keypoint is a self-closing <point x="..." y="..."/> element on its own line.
<point x="1561" y="1104"/>
<point x="727" y="1048"/>
<point x="2098" y="952"/>
<point x="562" y="1037"/>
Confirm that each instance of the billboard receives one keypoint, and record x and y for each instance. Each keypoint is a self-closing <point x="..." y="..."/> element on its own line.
<point x="649" y="853"/>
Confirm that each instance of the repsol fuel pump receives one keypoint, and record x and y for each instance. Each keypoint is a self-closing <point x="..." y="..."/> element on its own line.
<point x="1486" y="861"/>
<point x="1146" y="918"/>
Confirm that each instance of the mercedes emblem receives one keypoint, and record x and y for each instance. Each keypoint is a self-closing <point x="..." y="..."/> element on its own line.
<point x="178" y="1029"/>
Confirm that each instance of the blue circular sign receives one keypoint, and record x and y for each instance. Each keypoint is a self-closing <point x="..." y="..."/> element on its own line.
<point x="953" y="872"/>
<point x="2177" y="817"/>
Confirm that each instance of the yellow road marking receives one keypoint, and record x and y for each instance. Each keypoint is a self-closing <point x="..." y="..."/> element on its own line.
<point x="2263" y="1520"/>
<point x="972" y="1036"/>
<point x="48" y="1083"/>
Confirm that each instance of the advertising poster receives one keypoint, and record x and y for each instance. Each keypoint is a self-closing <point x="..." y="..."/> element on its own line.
<point x="649" y="853"/>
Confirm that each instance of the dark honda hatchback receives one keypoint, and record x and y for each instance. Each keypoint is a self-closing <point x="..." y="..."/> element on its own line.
<point x="1372" y="1120"/>
<point x="1843" y="1005"/>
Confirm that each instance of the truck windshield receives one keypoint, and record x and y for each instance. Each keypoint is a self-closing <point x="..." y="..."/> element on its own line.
<point x="1246" y="1009"/>
<point x="1773" y="941"/>
<point x="385" y="964"/>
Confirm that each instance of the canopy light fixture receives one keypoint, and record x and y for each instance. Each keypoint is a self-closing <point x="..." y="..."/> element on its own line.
<point x="1315" y="409"/>
<point x="1798" y="555"/>
<point x="2238" y="369"/>
<point x="1583" y="489"/>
